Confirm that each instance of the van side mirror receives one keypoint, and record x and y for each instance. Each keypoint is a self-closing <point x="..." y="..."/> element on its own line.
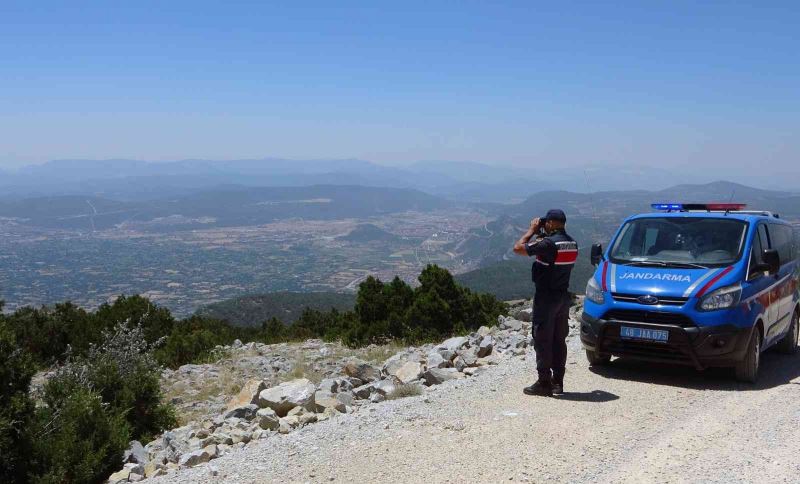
<point x="772" y="260"/>
<point x="596" y="254"/>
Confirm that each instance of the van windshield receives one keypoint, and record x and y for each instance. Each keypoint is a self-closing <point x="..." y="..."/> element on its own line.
<point x="679" y="242"/>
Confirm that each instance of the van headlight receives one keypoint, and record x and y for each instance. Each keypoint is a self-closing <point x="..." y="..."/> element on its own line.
<point x="594" y="293"/>
<point x="722" y="298"/>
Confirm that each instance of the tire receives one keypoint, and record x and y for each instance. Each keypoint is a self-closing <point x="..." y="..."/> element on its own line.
<point x="788" y="345"/>
<point x="596" y="359"/>
<point x="747" y="369"/>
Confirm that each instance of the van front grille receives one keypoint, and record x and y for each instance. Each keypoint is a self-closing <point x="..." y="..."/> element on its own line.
<point x="662" y="300"/>
<point x="653" y="317"/>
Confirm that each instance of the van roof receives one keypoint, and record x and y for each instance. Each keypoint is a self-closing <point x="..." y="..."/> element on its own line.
<point x="746" y="216"/>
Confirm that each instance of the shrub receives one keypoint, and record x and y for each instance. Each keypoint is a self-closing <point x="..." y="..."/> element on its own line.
<point x="94" y="405"/>
<point x="16" y="407"/>
<point x="193" y="340"/>
<point x="127" y="377"/>
<point x="46" y="333"/>
<point x="77" y="438"/>
<point x="273" y="331"/>
<point x="155" y="321"/>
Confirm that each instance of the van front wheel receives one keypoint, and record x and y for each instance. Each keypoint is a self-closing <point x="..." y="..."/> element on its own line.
<point x="747" y="369"/>
<point x="788" y="345"/>
<point x="596" y="359"/>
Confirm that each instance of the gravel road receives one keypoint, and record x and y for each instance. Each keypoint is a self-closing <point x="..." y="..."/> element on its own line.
<point x="629" y="422"/>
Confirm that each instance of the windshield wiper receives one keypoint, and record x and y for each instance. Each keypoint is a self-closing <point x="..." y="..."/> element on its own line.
<point x="686" y="264"/>
<point x="658" y="263"/>
<point x="645" y="263"/>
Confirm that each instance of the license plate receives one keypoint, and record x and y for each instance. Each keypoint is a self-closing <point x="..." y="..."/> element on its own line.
<point x="629" y="332"/>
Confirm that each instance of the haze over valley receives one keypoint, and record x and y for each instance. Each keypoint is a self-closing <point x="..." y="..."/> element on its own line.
<point x="187" y="242"/>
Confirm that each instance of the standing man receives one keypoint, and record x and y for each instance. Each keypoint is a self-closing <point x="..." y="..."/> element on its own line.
<point x="555" y="254"/>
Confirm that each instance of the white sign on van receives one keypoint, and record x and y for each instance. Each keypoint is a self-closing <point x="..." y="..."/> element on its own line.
<point x="650" y="276"/>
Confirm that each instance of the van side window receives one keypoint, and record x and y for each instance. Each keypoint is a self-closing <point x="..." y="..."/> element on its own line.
<point x="782" y="241"/>
<point x="755" y="254"/>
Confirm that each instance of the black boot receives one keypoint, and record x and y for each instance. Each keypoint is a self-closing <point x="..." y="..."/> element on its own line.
<point x="541" y="388"/>
<point x="558" y="387"/>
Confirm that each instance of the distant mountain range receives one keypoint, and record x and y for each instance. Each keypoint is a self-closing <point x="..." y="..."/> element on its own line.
<point x="592" y="216"/>
<point x="134" y="180"/>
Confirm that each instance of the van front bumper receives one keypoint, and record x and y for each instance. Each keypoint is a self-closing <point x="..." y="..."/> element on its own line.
<point x="698" y="346"/>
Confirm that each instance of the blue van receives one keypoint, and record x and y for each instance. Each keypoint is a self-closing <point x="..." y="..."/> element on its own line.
<point x="709" y="285"/>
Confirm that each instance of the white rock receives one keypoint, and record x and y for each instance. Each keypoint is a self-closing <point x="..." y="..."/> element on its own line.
<point x="435" y="376"/>
<point x="384" y="387"/>
<point x="247" y="412"/>
<point x="135" y="453"/>
<point x="470" y="356"/>
<point x="329" y="385"/>
<point x="120" y="476"/>
<point x="287" y="424"/>
<point x="511" y="323"/>
<point x="362" y="370"/>
<point x="287" y="396"/>
<point x="267" y="419"/>
<point x="454" y="343"/>
<point x="409" y="372"/>
<point x="345" y="397"/>
<point x="448" y="355"/>
<point x="435" y="360"/>
<point x="324" y="400"/>
<point x="485" y="346"/>
<point x="248" y="394"/>
<point x="196" y="457"/>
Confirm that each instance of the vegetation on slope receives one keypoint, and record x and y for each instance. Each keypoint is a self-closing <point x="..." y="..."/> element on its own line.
<point x="284" y="305"/>
<point x="105" y="389"/>
<point x="511" y="279"/>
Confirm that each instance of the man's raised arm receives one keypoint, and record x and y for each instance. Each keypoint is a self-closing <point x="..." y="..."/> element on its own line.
<point x="520" y="248"/>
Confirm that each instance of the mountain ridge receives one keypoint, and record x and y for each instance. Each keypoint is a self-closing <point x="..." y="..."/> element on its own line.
<point x="471" y="181"/>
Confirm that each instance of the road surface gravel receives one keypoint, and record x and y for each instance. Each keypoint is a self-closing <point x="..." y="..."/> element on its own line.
<point x="628" y="422"/>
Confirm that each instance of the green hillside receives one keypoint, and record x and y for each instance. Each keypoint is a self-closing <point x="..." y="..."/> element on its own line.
<point x="286" y="306"/>
<point x="511" y="279"/>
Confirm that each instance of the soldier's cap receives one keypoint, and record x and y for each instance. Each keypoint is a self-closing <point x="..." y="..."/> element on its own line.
<point x="555" y="214"/>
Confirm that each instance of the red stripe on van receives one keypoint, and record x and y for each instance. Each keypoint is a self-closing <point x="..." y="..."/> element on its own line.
<point x="713" y="281"/>
<point x="603" y="278"/>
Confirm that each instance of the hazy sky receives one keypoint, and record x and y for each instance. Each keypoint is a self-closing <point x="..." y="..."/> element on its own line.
<point x="711" y="86"/>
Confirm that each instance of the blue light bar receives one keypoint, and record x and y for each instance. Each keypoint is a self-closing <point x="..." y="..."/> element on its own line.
<point x="667" y="206"/>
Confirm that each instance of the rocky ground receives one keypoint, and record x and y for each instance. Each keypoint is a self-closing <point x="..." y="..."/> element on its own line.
<point x="426" y="416"/>
<point x="253" y="391"/>
<point x="203" y="391"/>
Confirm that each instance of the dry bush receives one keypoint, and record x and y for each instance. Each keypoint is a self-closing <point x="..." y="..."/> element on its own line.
<point x="379" y="354"/>
<point x="403" y="391"/>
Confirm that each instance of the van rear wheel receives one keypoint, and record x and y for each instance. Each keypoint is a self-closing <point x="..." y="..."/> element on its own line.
<point x="747" y="369"/>
<point x="788" y="345"/>
<point x="597" y="359"/>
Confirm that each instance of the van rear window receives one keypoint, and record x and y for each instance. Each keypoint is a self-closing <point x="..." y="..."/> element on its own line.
<point x="680" y="242"/>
